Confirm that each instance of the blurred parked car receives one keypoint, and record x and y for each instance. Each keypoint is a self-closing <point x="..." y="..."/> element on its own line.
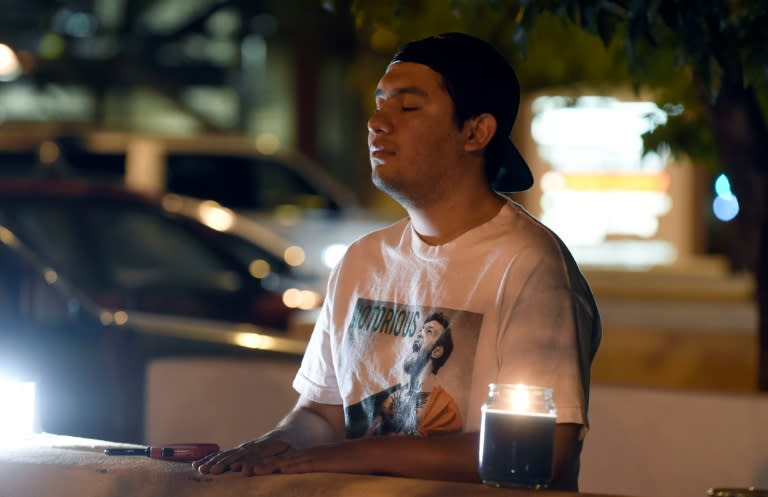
<point x="127" y="252"/>
<point x="88" y="363"/>
<point x="285" y="191"/>
<point x="289" y="193"/>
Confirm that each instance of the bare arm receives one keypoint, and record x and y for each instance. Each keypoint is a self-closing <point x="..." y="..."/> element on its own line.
<point x="566" y="457"/>
<point x="311" y="439"/>
<point x="441" y="457"/>
<point x="308" y="424"/>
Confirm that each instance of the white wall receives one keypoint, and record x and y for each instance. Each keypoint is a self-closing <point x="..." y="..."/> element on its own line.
<point x="659" y="443"/>
<point x="224" y="401"/>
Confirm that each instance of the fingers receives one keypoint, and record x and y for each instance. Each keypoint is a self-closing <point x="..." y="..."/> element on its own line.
<point x="218" y="463"/>
<point x="245" y="455"/>
<point x="230" y="460"/>
<point x="205" y="460"/>
<point x="273" y="456"/>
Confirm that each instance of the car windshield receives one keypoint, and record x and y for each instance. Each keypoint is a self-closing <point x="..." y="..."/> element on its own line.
<point x="143" y="247"/>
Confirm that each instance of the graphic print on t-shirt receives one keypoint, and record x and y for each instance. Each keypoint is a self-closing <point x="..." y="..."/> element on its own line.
<point x="408" y="368"/>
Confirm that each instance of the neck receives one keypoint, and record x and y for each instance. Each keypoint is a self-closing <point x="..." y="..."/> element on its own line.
<point x="451" y="216"/>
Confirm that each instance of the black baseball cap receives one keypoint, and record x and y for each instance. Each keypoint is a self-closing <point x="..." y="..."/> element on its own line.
<point x="479" y="79"/>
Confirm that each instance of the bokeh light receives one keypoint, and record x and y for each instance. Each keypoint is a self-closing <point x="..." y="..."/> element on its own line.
<point x="259" y="268"/>
<point x="333" y="253"/>
<point x="9" y="64"/>
<point x="725" y="206"/>
<point x="294" y="256"/>
<point x="215" y="216"/>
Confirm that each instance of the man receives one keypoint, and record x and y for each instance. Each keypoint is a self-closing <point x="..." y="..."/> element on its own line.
<point x="431" y="347"/>
<point x="420" y="406"/>
<point x="439" y="145"/>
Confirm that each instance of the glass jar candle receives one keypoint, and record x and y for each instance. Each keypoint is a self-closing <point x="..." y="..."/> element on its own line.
<point x="517" y="436"/>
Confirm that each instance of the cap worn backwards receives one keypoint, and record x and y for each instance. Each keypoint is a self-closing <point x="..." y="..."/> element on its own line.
<point x="479" y="80"/>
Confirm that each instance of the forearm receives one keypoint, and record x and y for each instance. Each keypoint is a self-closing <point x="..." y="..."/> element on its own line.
<point x="445" y="457"/>
<point x="441" y="457"/>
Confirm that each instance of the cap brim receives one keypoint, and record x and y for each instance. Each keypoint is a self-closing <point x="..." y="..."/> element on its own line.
<point x="514" y="174"/>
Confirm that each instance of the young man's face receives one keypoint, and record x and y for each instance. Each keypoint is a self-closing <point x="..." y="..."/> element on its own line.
<point x="414" y="142"/>
<point x="427" y="336"/>
<point x="425" y="347"/>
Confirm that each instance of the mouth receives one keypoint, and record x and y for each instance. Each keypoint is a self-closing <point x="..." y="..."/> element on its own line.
<point x="378" y="150"/>
<point x="378" y="157"/>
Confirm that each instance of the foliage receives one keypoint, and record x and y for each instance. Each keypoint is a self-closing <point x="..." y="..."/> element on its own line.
<point x="679" y="51"/>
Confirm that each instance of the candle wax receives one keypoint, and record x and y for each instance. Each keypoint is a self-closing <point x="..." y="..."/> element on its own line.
<point x="516" y="449"/>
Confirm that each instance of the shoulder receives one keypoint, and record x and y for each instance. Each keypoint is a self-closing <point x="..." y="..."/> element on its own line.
<point x="543" y="255"/>
<point x="535" y="253"/>
<point x="526" y="235"/>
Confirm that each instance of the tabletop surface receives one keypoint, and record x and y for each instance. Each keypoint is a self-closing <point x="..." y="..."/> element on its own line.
<point x="46" y="465"/>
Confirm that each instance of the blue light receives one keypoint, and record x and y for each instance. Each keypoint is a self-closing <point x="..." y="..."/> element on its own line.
<point x="725" y="207"/>
<point x="723" y="186"/>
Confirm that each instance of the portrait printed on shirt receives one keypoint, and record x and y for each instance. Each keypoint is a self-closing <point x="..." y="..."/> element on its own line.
<point x="413" y="370"/>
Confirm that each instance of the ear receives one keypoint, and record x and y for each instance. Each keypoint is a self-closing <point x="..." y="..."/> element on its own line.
<point x="437" y="352"/>
<point x="479" y="132"/>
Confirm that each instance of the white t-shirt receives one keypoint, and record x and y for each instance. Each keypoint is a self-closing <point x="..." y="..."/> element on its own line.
<point x="517" y="307"/>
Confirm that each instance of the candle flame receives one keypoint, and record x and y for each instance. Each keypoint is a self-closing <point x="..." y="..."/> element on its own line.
<point x="519" y="399"/>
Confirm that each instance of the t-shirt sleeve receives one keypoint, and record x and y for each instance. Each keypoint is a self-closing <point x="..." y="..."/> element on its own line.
<point x="537" y="342"/>
<point x="316" y="378"/>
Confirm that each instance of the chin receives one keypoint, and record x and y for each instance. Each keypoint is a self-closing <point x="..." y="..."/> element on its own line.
<point x="382" y="183"/>
<point x="396" y="190"/>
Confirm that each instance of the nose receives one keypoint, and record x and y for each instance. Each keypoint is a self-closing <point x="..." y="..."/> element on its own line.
<point x="379" y="124"/>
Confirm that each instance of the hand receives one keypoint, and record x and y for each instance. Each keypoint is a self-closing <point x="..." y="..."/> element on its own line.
<point x="343" y="457"/>
<point x="243" y="457"/>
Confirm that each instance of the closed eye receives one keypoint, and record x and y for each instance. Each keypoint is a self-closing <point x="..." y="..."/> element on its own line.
<point x="409" y="109"/>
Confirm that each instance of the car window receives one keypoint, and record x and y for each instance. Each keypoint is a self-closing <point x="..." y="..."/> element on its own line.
<point x="242" y="182"/>
<point x="238" y="181"/>
<point x="95" y="164"/>
<point x="54" y="233"/>
<point x="146" y="248"/>
<point x="279" y="185"/>
<point x="10" y="283"/>
<point x="100" y="246"/>
<point x="27" y="292"/>
<point x="247" y="253"/>
<point x="13" y="162"/>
